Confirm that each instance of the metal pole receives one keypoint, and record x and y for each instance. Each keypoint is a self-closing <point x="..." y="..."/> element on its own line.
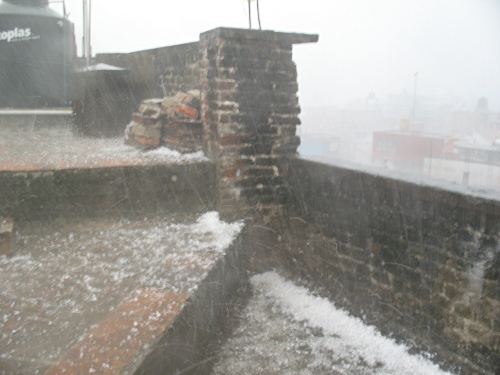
<point x="89" y="35"/>
<point x="258" y="15"/>
<point x="84" y="47"/>
<point x="65" y="62"/>
<point x="249" y="15"/>
<point x="414" y="101"/>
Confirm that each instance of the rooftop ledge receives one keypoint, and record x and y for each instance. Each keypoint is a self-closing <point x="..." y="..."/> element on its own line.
<point x="36" y="112"/>
<point x="262" y="35"/>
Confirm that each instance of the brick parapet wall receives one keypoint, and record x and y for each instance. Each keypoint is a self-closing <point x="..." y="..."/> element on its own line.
<point x="177" y="69"/>
<point x="161" y="71"/>
<point x="419" y="261"/>
<point x="250" y="112"/>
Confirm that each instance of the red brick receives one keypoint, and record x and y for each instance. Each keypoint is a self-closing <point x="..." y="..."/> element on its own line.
<point x="231" y="96"/>
<point x="287" y="130"/>
<point x="232" y="173"/>
<point x="224" y="118"/>
<point x="187" y="111"/>
<point x="225" y="84"/>
<point x="232" y="139"/>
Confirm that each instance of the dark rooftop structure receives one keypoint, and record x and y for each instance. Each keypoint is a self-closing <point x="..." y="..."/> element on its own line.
<point x="36" y="55"/>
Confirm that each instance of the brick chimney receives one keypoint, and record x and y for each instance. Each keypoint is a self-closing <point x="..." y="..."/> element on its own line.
<point x="250" y="112"/>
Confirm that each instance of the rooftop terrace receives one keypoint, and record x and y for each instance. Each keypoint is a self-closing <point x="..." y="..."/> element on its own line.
<point x="101" y="293"/>
<point x="418" y="261"/>
<point x="108" y="293"/>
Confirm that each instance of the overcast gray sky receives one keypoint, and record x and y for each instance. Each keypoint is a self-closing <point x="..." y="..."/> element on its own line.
<point x="365" y="45"/>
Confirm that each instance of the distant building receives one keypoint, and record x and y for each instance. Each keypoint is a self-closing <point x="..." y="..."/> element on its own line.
<point x="466" y="122"/>
<point x="478" y="153"/>
<point x="408" y="149"/>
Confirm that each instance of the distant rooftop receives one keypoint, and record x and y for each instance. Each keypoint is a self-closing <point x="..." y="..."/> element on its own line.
<point x="414" y="133"/>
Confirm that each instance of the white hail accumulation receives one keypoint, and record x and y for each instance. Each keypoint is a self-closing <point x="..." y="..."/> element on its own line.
<point x="286" y="330"/>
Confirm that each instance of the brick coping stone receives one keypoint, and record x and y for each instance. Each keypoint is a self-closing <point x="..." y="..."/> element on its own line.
<point x="260" y="35"/>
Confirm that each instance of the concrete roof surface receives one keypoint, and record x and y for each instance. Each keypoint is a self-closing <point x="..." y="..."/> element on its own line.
<point x="72" y="281"/>
<point x="55" y="146"/>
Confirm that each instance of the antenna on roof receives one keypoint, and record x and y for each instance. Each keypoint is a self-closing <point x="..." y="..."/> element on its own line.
<point x="87" y="14"/>
<point x="414" y="99"/>
<point x="250" y="14"/>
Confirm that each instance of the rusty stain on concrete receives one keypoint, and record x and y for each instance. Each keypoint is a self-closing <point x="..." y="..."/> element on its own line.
<point x="123" y="335"/>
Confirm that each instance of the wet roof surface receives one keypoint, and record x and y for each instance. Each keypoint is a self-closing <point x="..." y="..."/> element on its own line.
<point x="29" y="147"/>
<point x="68" y="276"/>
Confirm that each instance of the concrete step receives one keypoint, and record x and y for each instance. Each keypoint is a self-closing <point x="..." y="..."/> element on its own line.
<point x="48" y="171"/>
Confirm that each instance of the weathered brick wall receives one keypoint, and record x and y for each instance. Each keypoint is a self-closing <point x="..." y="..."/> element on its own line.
<point x="159" y="72"/>
<point x="177" y="68"/>
<point x="422" y="262"/>
<point x="160" y="189"/>
<point x="250" y="113"/>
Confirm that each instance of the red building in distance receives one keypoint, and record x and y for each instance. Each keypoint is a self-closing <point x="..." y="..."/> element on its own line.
<point x="409" y="149"/>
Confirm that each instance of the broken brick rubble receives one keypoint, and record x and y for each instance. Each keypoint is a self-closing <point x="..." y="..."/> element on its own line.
<point x="172" y="121"/>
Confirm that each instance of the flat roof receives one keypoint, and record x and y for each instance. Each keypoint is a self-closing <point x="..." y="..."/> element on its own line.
<point x="410" y="133"/>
